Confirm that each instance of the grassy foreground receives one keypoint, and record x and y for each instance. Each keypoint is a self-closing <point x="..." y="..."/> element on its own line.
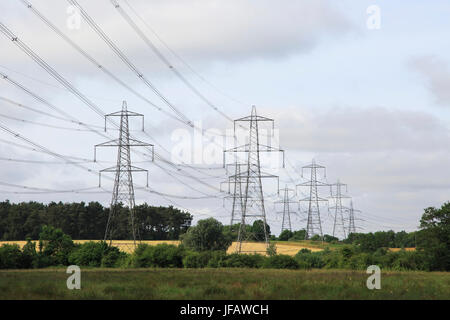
<point x="221" y="284"/>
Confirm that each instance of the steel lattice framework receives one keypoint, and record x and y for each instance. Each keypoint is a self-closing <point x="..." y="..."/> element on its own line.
<point x="339" y="208"/>
<point x="314" y="221"/>
<point x="351" y="218"/>
<point x="235" y="181"/>
<point x="123" y="190"/>
<point x="253" y="197"/>
<point x="287" y="200"/>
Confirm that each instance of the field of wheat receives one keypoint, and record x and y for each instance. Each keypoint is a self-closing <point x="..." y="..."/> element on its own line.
<point x="289" y="248"/>
<point x="398" y="249"/>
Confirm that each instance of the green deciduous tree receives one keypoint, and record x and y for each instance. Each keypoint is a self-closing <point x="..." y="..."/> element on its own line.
<point x="433" y="240"/>
<point x="55" y="245"/>
<point x="258" y="230"/>
<point x="207" y="235"/>
<point x="88" y="221"/>
<point x="285" y="235"/>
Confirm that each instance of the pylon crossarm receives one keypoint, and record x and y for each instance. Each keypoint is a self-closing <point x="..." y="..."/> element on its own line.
<point x="282" y="201"/>
<point x="312" y="184"/>
<point x="339" y="207"/>
<point x="243" y="148"/>
<point x="340" y="196"/>
<point x="137" y="143"/>
<point x="124" y="113"/>
<point x="253" y="118"/>
<point x="132" y="169"/>
<point x="111" y="143"/>
<point x="222" y="183"/>
<point x="269" y="148"/>
<point x="315" y="198"/>
<point x="313" y="166"/>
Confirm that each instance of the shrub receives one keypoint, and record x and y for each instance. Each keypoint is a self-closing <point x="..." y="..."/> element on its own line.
<point x="316" y="237"/>
<point x="285" y="235"/>
<point x="217" y="259"/>
<point x="191" y="260"/>
<point x="10" y="256"/>
<point x="126" y="261"/>
<point x="407" y="260"/>
<point x="298" y="235"/>
<point x="197" y="259"/>
<point x="307" y="259"/>
<point x="360" y="261"/>
<point x="88" y="254"/>
<point x="332" y="259"/>
<point x="162" y="256"/>
<point x="347" y="252"/>
<point x="94" y="254"/>
<point x="113" y="258"/>
<point x="237" y="260"/>
<point x="330" y="239"/>
<point x="271" y="249"/>
<point x="281" y="261"/>
<point x="29" y="255"/>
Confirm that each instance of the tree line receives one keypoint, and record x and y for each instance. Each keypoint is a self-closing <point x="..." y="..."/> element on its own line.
<point x="205" y="245"/>
<point x="88" y="221"/>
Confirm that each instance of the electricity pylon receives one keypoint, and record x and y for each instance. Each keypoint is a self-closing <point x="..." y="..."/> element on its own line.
<point x="123" y="190"/>
<point x="237" y="195"/>
<point x="253" y="198"/>
<point x="351" y="218"/>
<point x="339" y="209"/>
<point x="314" y="222"/>
<point x="287" y="200"/>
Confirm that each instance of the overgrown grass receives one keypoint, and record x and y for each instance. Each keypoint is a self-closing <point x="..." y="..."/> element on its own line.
<point x="221" y="284"/>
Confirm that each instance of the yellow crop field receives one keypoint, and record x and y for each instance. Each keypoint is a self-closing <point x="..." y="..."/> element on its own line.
<point x="398" y="249"/>
<point x="123" y="245"/>
<point x="282" y="248"/>
<point x="290" y="248"/>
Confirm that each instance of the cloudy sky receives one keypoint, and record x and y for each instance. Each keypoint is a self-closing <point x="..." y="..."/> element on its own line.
<point x="370" y="104"/>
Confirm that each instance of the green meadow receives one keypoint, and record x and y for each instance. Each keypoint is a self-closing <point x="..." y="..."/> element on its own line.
<point x="230" y="283"/>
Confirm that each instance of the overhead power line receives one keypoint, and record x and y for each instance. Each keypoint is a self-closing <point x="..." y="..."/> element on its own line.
<point x="127" y="61"/>
<point x="159" y="54"/>
<point x="181" y="59"/>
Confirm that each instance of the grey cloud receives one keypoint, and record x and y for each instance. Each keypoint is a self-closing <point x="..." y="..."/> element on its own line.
<point x="203" y="30"/>
<point x="347" y="129"/>
<point x="436" y="73"/>
<point x="392" y="160"/>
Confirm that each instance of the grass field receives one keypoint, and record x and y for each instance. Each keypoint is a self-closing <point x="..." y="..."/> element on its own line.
<point x="221" y="284"/>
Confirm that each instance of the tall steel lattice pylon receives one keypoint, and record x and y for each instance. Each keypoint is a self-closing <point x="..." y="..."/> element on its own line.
<point x="235" y="181"/>
<point x="339" y="209"/>
<point x="253" y="197"/>
<point x="287" y="200"/>
<point x="351" y="218"/>
<point x="314" y="222"/>
<point x="123" y="190"/>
